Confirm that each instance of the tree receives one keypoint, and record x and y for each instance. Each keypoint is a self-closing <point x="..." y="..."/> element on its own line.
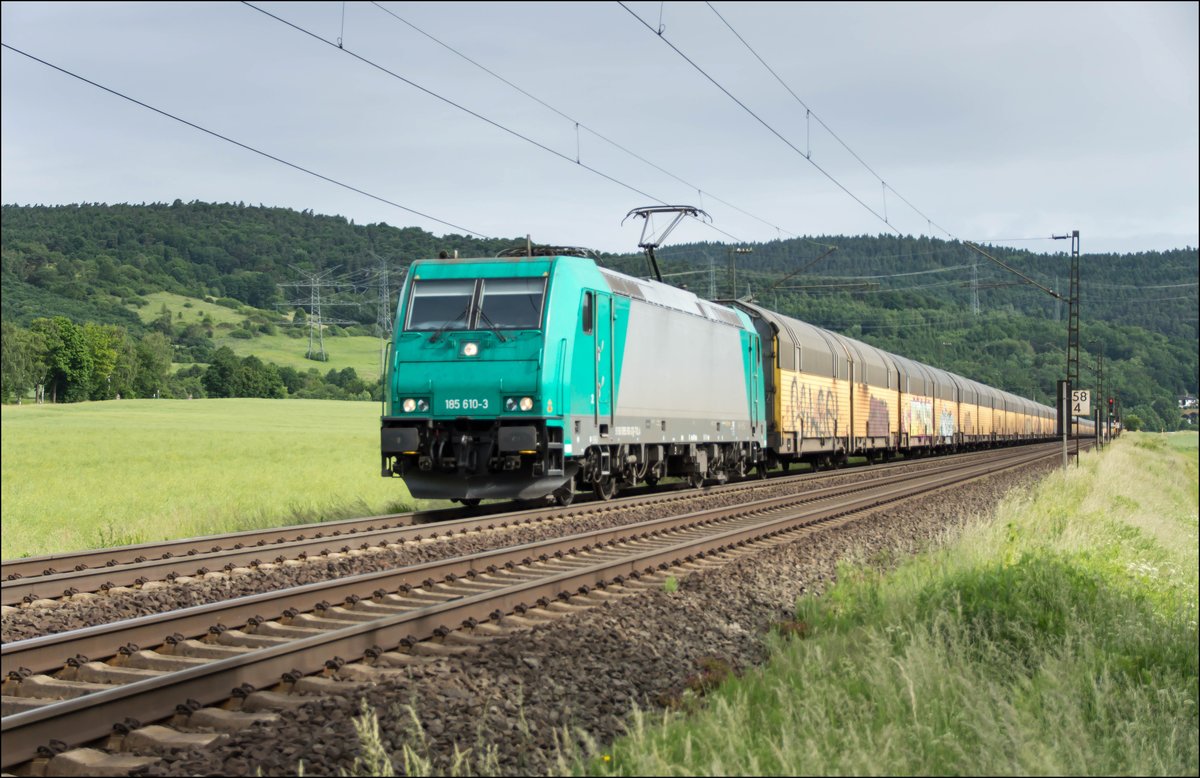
<point x="163" y="323"/>
<point x="103" y="342"/>
<point x="68" y="360"/>
<point x="153" y="364"/>
<point x="221" y="378"/>
<point x="21" y="363"/>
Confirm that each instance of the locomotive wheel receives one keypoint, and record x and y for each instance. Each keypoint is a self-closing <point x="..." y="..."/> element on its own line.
<point x="696" y="479"/>
<point x="605" y="487"/>
<point x="651" y="480"/>
<point x="470" y="502"/>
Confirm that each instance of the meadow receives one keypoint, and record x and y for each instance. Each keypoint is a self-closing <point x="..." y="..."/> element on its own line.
<point x="92" y="475"/>
<point x="1058" y="638"/>
<point x="361" y="352"/>
<point x="192" y="308"/>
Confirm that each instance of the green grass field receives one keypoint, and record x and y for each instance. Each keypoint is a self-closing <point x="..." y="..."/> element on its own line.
<point x="177" y="303"/>
<point x="99" y="474"/>
<point x="357" y="351"/>
<point x="1060" y="638"/>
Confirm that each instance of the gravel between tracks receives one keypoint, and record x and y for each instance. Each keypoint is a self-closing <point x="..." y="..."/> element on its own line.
<point x="585" y="672"/>
<point x="102" y="608"/>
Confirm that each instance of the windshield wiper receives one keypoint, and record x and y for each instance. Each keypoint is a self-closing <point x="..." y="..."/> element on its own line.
<point x="466" y="312"/>
<point x="492" y="325"/>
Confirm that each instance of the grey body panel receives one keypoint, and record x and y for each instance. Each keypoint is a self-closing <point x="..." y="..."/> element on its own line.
<point x="680" y="366"/>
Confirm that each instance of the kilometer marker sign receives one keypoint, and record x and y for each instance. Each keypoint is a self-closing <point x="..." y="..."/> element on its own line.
<point x="1081" y="402"/>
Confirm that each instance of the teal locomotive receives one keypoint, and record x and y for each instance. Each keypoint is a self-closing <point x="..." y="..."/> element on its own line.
<point x="535" y="376"/>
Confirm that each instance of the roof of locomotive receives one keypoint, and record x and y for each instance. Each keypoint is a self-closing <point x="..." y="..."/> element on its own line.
<point x="646" y="290"/>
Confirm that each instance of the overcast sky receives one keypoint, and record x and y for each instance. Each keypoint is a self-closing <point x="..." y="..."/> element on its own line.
<point x="993" y="121"/>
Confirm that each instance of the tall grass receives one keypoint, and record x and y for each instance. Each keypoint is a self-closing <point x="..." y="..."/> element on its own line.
<point x="98" y="474"/>
<point x="1060" y="638"/>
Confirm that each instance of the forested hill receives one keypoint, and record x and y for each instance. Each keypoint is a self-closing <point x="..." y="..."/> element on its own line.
<point x="932" y="300"/>
<point x="95" y="255"/>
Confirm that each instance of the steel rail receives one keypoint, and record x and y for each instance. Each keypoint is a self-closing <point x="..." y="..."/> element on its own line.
<point x="318" y="539"/>
<point x="49" y="652"/>
<point x="59" y="564"/>
<point x="14" y="569"/>
<point x="91" y="716"/>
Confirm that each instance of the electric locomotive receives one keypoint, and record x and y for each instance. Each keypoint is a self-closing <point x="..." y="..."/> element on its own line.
<point x="534" y="376"/>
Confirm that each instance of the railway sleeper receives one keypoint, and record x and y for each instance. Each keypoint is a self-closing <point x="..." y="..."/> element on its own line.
<point x="91" y="761"/>
<point x="276" y="630"/>
<point x="222" y="720"/>
<point x="237" y="638"/>
<point x="527" y="620"/>
<point x="430" y="648"/>
<point x="202" y="650"/>
<point x="323" y="622"/>
<point x="152" y="660"/>
<point x="396" y="659"/>
<point x="272" y="701"/>
<point x="160" y="740"/>
<point x="356" y="672"/>
<point x="10" y="706"/>
<point x="566" y="608"/>
<point x="47" y="687"/>
<point x="356" y="615"/>
<point x="460" y="637"/>
<point x="318" y="684"/>
<point x="100" y="673"/>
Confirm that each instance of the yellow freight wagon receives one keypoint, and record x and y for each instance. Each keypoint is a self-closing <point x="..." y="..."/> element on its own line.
<point x="829" y="396"/>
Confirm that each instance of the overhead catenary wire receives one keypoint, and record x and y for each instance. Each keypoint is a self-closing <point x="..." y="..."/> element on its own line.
<point x="581" y="126"/>
<point x="902" y="275"/>
<point x="882" y="290"/>
<point x="1143" y="286"/>
<point x="467" y="110"/>
<point x="245" y="146"/>
<point x="809" y="113"/>
<point x="758" y="118"/>
<point x="808" y="157"/>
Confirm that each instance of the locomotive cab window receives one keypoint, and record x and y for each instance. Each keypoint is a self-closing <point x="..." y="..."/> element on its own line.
<point x="586" y="314"/>
<point x="512" y="303"/>
<point x="440" y="304"/>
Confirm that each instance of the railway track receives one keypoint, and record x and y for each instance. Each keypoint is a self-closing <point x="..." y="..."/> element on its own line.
<point x="62" y="575"/>
<point x="385" y="620"/>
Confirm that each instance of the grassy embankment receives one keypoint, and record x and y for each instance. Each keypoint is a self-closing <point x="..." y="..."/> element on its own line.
<point x="100" y="474"/>
<point x="1060" y="638"/>
<point x="357" y="351"/>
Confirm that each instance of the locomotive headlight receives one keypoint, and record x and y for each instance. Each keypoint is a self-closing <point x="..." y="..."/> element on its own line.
<point x="409" y="405"/>
<point x="510" y="404"/>
<point x="422" y="405"/>
<point x="526" y="403"/>
<point x="470" y="349"/>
